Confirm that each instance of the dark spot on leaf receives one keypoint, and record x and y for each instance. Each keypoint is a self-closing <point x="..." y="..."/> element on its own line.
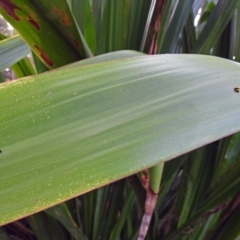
<point x="10" y="7"/>
<point x="75" y="43"/>
<point x="237" y="89"/>
<point x="44" y="56"/>
<point x="0" y="151"/>
<point x="66" y="20"/>
<point x="34" y="23"/>
<point x="56" y="10"/>
<point x="36" y="200"/>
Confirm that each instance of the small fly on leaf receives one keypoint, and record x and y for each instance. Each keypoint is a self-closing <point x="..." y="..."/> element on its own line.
<point x="237" y="89"/>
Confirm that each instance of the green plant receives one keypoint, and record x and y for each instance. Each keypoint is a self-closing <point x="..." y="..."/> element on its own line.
<point x="92" y="122"/>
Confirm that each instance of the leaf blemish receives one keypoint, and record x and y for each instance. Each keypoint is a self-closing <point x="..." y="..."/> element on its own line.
<point x="10" y="8"/>
<point x="0" y="151"/>
<point x="44" y="56"/>
<point x="66" y="19"/>
<point x="34" y="23"/>
<point x="76" y="43"/>
<point x="56" y="10"/>
<point x="237" y="89"/>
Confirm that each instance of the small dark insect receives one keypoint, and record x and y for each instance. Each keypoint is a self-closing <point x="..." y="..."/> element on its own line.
<point x="237" y="89"/>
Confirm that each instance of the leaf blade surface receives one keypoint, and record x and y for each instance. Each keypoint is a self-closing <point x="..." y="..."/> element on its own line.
<point x="69" y="131"/>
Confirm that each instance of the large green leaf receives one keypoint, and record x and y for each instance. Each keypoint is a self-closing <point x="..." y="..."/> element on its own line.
<point x="69" y="131"/>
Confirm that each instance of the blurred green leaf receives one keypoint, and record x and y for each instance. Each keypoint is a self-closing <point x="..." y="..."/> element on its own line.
<point x="189" y="35"/>
<point x="62" y="214"/>
<point x="83" y="13"/>
<point x="4" y="235"/>
<point x="40" y="67"/>
<point x="1" y="78"/>
<point x="60" y="17"/>
<point x="113" y="33"/>
<point x="235" y="36"/>
<point x="45" y="227"/>
<point x="229" y="229"/>
<point x="218" y="20"/>
<point x="12" y="50"/>
<point x="39" y="30"/>
<point x="23" y="68"/>
<point x="119" y="25"/>
<point x="213" y="198"/>
<point x="207" y="12"/>
<point x="123" y="217"/>
<point x="175" y="24"/>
